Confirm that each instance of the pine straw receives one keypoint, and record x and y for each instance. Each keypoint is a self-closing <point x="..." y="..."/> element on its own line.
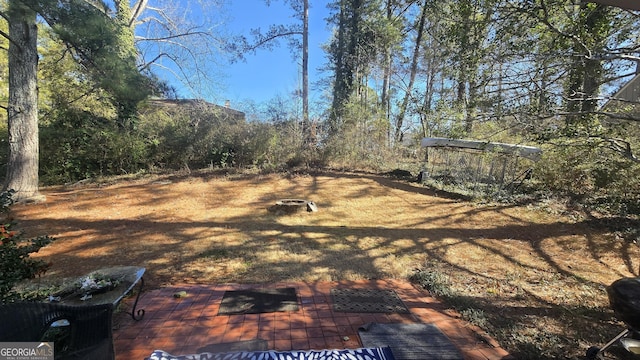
<point x="538" y="276"/>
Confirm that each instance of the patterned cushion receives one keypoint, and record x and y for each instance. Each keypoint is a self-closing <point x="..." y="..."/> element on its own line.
<point x="346" y="354"/>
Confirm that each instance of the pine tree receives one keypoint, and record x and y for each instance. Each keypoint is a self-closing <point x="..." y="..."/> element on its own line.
<point x="97" y="41"/>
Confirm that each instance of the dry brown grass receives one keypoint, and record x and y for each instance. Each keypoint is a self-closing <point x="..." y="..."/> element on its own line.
<point x="535" y="276"/>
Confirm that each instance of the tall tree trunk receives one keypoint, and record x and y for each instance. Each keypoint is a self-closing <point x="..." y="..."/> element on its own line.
<point x="353" y="48"/>
<point x="586" y="74"/>
<point x="428" y="99"/>
<point x="306" y="126"/>
<point x="469" y="37"/>
<point x="386" y="81"/>
<point x="472" y="103"/>
<point x="126" y="102"/>
<point x="412" y="74"/>
<point x="341" y="82"/>
<point x="22" y="166"/>
<point x="597" y="20"/>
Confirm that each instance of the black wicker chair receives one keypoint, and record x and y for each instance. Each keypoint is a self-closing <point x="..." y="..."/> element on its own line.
<point x="79" y="332"/>
<point x="624" y="298"/>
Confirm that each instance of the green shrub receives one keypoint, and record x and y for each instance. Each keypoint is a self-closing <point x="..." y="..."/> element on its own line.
<point x="361" y="138"/>
<point x="591" y="176"/>
<point x="77" y="145"/>
<point x="15" y="263"/>
<point x="197" y="136"/>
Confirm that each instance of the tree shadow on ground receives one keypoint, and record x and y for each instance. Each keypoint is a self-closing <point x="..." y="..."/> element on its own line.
<point x="139" y="225"/>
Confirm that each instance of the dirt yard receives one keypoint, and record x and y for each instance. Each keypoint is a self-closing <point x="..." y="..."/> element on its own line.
<point x="538" y="275"/>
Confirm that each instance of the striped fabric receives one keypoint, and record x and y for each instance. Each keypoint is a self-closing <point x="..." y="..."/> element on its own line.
<point x="345" y="354"/>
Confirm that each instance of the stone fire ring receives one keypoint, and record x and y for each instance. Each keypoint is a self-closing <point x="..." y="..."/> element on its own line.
<point x="291" y="202"/>
<point x="293" y="205"/>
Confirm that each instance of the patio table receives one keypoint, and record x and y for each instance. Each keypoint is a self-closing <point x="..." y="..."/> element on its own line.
<point x="126" y="278"/>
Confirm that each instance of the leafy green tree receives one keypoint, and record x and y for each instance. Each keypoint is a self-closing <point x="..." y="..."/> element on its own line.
<point x="549" y="84"/>
<point x="470" y="35"/>
<point x="361" y="35"/>
<point x="391" y="45"/>
<point x="582" y="51"/>
<point x="94" y="40"/>
<point x="362" y="140"/>
<point x="432" y="73"/>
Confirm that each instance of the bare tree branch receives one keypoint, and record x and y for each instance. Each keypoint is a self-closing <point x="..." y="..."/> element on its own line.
<point x="545" y="20"/>
<point x="170" y="37"/>
<point x="270" y="37"/>
<point x="620" y="146"/>
<point x="148" y="64"/>
<point x="138" y="8"/>
<point x="6" y="36"/>
<point x="611" y="115"/>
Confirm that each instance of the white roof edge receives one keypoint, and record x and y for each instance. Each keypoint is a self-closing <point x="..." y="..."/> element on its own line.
<point x="529" y="152"/>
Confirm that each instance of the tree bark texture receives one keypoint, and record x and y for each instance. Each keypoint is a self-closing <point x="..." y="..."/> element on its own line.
<point x="22" y="166"/>
<point x="586" y="74"/>
<point x="386" y="81"/>
<point x="310" y="137"/>
<point x="412" y="76"/>
<point x="341" y="85"/>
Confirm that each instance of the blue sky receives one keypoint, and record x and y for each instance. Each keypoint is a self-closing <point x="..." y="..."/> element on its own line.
<point x="269" y="73"/>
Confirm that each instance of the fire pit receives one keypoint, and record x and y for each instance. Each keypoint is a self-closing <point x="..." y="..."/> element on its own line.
<point x="290" y="206"/>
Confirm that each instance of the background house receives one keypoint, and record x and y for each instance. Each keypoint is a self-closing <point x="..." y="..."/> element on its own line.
<point x="197" y="108"/>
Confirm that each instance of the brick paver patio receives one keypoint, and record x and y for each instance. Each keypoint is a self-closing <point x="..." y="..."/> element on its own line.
<point x="183" y="325"/>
